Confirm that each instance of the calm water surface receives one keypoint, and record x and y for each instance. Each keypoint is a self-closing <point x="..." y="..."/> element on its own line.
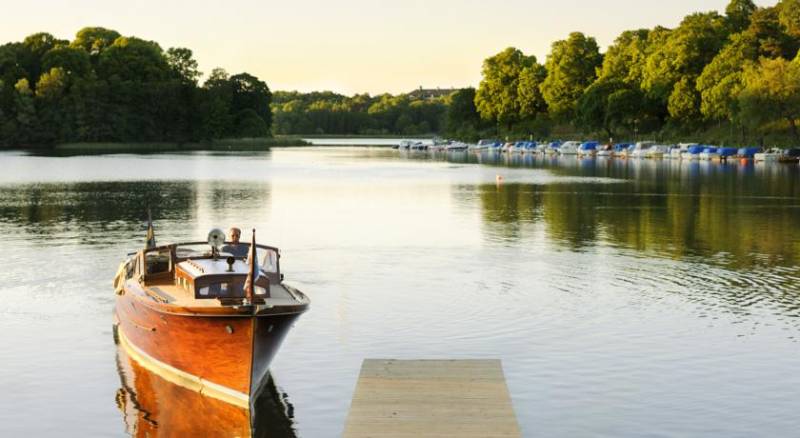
<point x="625" y="298"/>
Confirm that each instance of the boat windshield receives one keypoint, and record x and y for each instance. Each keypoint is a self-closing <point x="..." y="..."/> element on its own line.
<point x="267" y="256"/>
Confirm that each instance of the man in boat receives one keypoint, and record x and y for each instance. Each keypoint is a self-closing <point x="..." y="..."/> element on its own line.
<point x="234" y="247"/>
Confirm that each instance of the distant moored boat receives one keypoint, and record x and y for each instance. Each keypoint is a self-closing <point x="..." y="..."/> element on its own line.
<point x="790" y="156"/>
<point x="771" y="155"/>
<point x="569" y="148"/>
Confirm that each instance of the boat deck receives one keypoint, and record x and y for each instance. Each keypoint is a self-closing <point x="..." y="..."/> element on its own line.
<point x="431" y="398"/>
<point x="167" y="292"/>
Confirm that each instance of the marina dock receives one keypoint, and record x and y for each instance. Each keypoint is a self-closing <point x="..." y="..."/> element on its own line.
<point x="431" y="398"/>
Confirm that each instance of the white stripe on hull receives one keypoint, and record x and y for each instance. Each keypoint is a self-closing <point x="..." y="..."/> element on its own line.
<point x="182" y="378"/>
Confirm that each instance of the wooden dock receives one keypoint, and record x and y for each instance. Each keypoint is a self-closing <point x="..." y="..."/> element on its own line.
<point x="431" y="398"/>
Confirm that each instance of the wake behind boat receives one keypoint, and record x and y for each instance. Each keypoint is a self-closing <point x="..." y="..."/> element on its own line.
<point x="205" y="317"/>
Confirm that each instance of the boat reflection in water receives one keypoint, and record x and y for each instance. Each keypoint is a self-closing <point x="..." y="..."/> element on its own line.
<point x="153" y="406"/>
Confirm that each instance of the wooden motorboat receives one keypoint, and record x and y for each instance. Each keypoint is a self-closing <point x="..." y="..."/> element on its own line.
<point x="210" y="320"/>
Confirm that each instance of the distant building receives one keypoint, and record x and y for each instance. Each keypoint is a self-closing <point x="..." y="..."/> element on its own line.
<point x="430" y="93"/>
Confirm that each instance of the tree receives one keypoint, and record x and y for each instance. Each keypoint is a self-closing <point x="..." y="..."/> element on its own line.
<point x="738" y="14"/>
<point x="529" y="94"/>
<point x="70" y="59"/>
<point x="721" y="81"/>
<point x="181" y="62"/>
<point x="571" y="68"/>
<point x="52" y="84"/>
<point x="10" y="66"/>
<point x="462" y="115"/>
<point x="771" y="94"/>
<point x="629" y="109"/>
<point x="625" y="59"/>
<point x="94" y="40"/>
<point x="107" y="87"/>
<point x="250" y="93"/>
<point x="626" y="107"/>
<point x="684" y="102"/>
<point x="251" y="125"/>
<point x="592" y="109"/>
<point x="685" y="52"/>
<point x="789" y="14"/>
<point x="497" y="98"/>
<point x="217" y="78"/>
<point x="133" y="59"/>
<point x="32" y="49"/>
<point x="25" y="110"/>
<point x="770" y="34"/>
<point x="611" y="105"/>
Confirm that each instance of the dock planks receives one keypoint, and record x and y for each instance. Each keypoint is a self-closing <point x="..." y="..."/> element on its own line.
<point x="431" y="398"/>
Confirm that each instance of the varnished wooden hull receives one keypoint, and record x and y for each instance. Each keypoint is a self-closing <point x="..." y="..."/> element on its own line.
<point x="227" y="357"/>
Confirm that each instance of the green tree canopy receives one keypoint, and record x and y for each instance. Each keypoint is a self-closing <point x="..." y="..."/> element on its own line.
<point x="529" y="93"/>
<point x="72" y="60"/>
<point x="250" y="93"/>
<point x="770" y="34"/>
<point x="497" y="98"/>
<point x="593" y="106"/>
<point x="461" y="111"/>
<point x="107" y="87"/>
<point x="789" y="15"/>
<point x="684" y="102"/>
<point x="94" y="40"/>
<point x="133" y="59"/>
<point x="685" y="52"/>
<point x="33" y="48"/>
<point x="738" y="13"/>
<point x="181" y="62"/>
<point x="52" y="84"/>
<point x="771" y="94"/>
<point x="571" y="67"/>
<point x="721" y="81"/>
<point x="625" y="59"/>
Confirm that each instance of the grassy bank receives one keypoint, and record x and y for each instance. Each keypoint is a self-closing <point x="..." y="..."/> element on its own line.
<point x="232" y="144"/>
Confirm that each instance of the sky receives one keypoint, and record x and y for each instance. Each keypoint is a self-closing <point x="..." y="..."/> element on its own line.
<point x="350" y="46"/>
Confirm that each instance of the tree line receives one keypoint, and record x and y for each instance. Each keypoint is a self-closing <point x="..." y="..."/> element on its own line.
<point x="335" y="114"/>
<point x="105" y="87"/>
<point x="740" y="70"/>
<point x="732" y="77"/>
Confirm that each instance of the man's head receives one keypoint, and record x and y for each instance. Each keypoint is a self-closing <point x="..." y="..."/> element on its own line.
<point x="234" y="234"/>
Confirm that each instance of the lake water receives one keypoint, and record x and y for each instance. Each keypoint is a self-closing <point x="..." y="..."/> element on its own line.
<point x="625" y="298"/>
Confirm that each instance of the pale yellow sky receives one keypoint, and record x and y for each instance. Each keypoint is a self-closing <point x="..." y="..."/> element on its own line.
<point x="350" y="46"/>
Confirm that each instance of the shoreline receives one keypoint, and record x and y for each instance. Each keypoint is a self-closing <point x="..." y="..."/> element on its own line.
<point x="234" y="144"/>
